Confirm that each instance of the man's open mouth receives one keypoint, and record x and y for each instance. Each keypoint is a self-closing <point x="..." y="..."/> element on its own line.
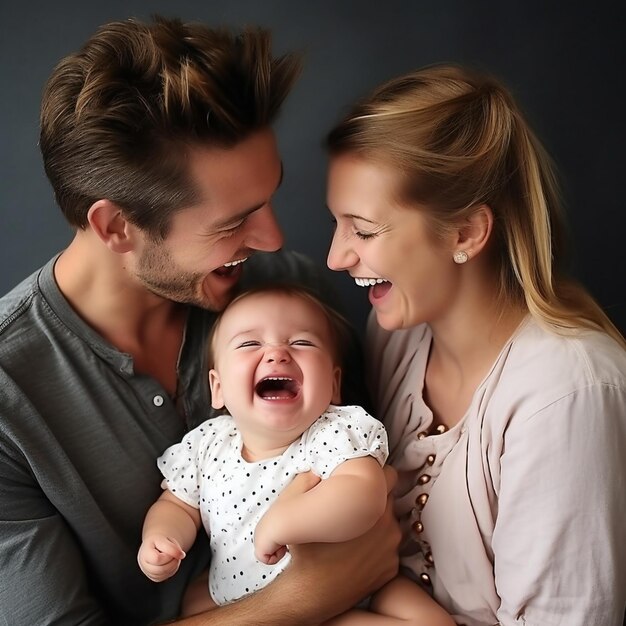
<point x="228" y="269"/>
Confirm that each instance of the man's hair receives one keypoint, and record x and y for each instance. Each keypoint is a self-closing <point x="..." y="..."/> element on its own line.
<point x="119" y="117"/>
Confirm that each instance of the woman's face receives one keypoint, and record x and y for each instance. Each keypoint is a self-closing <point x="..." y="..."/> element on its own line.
<point x="388" y="247"/>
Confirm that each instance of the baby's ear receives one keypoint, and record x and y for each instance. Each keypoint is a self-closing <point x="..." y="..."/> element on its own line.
<point x="217" y="400"/>
<point x="336" y="399"/>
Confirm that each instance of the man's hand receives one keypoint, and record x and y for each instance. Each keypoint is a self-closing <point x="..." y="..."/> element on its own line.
<point x="338" y="575"/>
<point x="159" y="557"/>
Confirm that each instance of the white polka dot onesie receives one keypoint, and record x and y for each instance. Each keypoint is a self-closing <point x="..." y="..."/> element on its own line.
<point x="206" y="471"/>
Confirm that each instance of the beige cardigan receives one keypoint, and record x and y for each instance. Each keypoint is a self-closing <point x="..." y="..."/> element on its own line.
<point x="517" y="515"/>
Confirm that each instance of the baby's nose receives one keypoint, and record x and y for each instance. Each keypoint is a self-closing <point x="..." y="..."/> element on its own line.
<point x="277" y="354"/>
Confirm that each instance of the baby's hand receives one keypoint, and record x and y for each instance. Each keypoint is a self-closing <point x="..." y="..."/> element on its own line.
<point x="266" y="549"/>
<point x="159" y="557"/>
<point x="267" y="545"/>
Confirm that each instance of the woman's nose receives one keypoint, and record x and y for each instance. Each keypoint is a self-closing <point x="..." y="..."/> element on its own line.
<point x="340" y="256"/>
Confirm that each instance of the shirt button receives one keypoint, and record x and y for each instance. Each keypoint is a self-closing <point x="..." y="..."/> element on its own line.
<point x="429" y="558"/>
<point x="430" y="459"/>
<point x="418" y="527"/>
<point x="425" y="578"/>
<point x="422" y="435"/>
<point x="157" y="400"/>
<point x="421" y="500"/>
<point x="423" y="479"/>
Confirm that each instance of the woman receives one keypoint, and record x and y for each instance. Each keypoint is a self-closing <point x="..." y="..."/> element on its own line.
<point x="502" y="384"/>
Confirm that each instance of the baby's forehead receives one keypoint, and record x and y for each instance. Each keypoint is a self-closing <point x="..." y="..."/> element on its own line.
<point x="260" y="309"/>
<point x="259" y="302"/>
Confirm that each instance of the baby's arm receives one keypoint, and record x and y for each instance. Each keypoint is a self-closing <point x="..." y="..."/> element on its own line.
<point x="169" y="530"/>
<point x="340" y="508"/>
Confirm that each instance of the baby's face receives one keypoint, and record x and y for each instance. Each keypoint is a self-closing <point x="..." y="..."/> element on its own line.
<point x="274" y="366"/>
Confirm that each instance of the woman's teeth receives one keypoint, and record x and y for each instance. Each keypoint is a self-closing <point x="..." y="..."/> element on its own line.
<point x="233" y="263"/>
<point x="369" y="282"/>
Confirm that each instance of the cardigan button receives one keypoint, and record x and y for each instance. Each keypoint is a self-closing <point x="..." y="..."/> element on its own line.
<point x="418" y="527"/>
<point x="421" y="501"/>
<point x="423" y="479"/>
<point x="425" y="578"/>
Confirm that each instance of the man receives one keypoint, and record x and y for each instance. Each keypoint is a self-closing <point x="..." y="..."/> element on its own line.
<point x="157" y="141"/>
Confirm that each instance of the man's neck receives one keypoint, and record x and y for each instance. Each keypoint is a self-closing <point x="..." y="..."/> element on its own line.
<point x="100" y="289"/>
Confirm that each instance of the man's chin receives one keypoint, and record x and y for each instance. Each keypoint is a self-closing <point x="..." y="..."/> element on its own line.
<point x="215" y="299"/>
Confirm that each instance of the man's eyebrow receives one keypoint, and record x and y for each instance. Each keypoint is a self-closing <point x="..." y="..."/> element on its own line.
<point x="233" y="219"/>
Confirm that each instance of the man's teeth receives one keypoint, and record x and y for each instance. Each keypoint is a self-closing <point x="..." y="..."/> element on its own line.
<point x="233" y="263"/>
<point x="369" y="282"/>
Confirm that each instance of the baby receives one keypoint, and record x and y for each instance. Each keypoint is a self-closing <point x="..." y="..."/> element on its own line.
<point x="276" y="355"/>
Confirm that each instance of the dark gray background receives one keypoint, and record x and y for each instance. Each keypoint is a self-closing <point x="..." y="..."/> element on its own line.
<point x="563" y="61"/>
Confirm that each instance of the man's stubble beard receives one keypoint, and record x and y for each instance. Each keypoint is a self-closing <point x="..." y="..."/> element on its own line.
<point x="157" y="271"/>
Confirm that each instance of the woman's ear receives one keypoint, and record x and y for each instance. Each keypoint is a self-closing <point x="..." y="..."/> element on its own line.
<point x="108" y="222"/>
<point x="217" y="400"/>
<point x="474" y="233"/>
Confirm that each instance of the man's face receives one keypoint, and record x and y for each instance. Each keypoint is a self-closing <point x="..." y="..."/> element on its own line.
<point x="199" y="261"/>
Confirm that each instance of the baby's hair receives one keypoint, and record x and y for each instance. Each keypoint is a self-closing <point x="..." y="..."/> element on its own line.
<point x="339" y="327"/>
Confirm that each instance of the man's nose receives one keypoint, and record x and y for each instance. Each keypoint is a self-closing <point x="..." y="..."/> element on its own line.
<point x="264" y="233"/>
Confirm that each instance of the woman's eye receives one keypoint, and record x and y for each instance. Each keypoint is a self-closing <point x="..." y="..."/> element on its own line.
<point x="362" y="235"/>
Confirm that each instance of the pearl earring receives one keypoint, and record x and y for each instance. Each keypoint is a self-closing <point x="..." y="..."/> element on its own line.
<point x="460" y="256"/>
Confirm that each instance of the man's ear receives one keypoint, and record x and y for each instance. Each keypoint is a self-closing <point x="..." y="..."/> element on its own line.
<point x="217" y="400"/>
<point x="108" y="222"/>
<point x="475" y="231"/>
<point x="336" y="398"/>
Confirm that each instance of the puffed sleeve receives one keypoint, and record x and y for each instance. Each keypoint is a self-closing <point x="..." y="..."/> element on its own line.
<point x="182" y="464"/>
<point x="343" y="433"/>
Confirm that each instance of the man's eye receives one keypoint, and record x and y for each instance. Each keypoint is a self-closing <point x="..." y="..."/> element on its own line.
<point x="229" y="232"/>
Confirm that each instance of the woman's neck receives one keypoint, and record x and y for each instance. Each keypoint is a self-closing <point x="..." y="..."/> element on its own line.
<point x="464" y="347"/>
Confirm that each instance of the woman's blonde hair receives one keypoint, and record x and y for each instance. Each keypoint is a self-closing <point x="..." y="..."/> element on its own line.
<point x="458" y="141"/>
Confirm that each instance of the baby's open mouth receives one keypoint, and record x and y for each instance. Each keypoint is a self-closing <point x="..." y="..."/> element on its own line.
<point x="277" y="388"/>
